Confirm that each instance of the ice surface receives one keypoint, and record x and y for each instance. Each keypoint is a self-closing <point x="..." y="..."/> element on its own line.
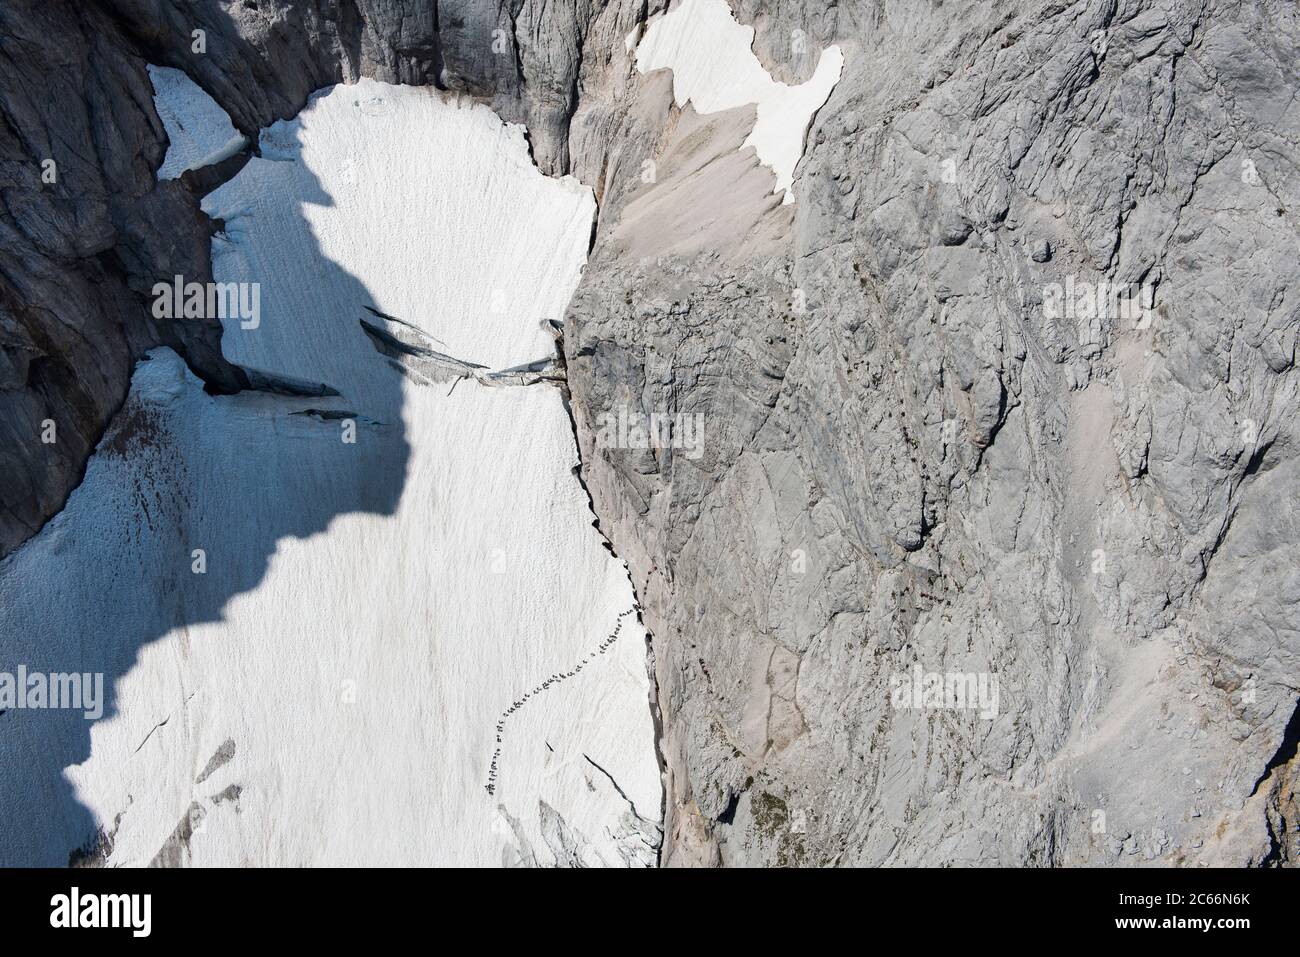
<point x="328" y="691"/>
<point x="199" y="132"/>
<point x="715" y="68"/>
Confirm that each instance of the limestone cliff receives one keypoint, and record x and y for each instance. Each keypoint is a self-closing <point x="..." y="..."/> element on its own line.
<point x="932" y="436"/>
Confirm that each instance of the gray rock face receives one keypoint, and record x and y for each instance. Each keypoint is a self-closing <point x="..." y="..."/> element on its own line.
<point x="923" y="446"/>
<point x="261" y="61"/>
<point x="929" y="440"/>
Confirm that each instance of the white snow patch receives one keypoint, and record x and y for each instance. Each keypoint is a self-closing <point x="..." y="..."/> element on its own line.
<point x="368" y="610"/>
<point x="714" y="67"/>
<point x="199" y="132"/>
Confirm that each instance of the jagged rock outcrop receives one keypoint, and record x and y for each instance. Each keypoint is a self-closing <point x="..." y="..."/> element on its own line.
<point x="84" y="233"/>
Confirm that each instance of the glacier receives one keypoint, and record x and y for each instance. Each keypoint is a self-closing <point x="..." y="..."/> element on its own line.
<point x="363" y="616"/>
